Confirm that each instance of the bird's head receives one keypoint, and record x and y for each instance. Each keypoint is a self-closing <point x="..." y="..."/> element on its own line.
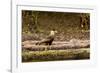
<point x="53" y="32"/>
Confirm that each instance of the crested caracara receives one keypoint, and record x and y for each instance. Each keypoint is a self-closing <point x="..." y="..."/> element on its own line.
<point x="49" y="39"/>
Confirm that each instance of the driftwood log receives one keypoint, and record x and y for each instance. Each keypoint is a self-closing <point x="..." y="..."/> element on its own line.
<point x="53" y="55"/>
<point x="57" y="45"/>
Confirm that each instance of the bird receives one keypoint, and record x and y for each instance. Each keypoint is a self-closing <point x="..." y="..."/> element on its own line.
<point x="49" y="39"/>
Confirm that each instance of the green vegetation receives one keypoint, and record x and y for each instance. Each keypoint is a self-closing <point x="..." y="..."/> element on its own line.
<point x="53" y="55"/>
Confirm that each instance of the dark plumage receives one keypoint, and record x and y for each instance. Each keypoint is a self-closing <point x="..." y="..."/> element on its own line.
<point x="49" y="39"/>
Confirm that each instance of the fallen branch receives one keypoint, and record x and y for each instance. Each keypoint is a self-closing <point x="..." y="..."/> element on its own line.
<point x="53" y="55"/>
<point x="55" y="47"/>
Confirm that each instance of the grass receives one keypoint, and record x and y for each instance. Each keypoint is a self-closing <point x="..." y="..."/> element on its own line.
<point x="53" y="55"/>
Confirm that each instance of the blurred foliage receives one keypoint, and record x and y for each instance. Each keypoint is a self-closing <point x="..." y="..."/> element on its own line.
<point x="44" y="21"/>
<point x="85" y="20"/>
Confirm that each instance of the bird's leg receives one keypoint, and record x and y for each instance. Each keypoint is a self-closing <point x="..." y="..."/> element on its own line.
<point x="50" y="47"/>
<point x="46" y="47"/>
